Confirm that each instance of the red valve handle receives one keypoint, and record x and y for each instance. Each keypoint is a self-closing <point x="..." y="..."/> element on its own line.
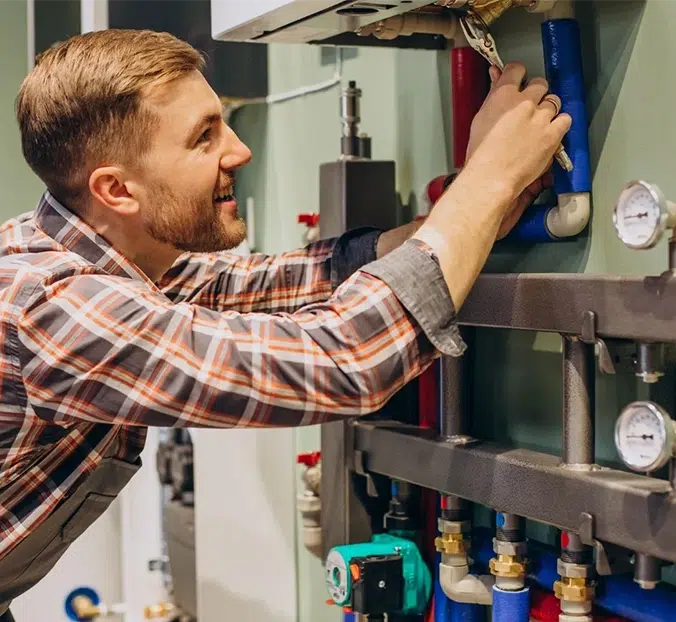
<point x="311" y="220"/>
<point x="310" y="459"/>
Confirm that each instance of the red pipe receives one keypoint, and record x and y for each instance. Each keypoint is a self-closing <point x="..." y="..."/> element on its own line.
<point x="469" y="83"/>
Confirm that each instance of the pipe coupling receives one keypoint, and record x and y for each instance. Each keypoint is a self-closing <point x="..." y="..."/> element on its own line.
<point x="507" y="566"/>
<point x="574" y="589"/>
<point x="159" y="610"/>
<point x="452" y="544"/>
<point x="455" y="526"/>
<point x="85" y="609"/>
<point x="515" y="549"/>
<point x="573" y="571"/>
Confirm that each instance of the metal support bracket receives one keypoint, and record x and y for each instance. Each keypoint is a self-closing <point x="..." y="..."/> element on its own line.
<point x="588" y="335"/>
<point x="608" y="558"/>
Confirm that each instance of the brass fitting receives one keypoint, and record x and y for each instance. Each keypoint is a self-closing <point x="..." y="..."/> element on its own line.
<point x="490" y="10"/>
<point x="452" y="544"/>
<point x="85" y="609"/>
<point x="574" y="589"/>
<point x="160" y="610"/>
<point x="507" y="566"/>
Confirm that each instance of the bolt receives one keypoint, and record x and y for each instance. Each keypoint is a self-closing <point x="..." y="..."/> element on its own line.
<point x="381" y="584"/>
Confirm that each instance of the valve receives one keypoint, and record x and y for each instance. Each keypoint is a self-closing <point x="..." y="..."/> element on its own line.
<point x="384" y="576"/>
<point x="309" y="459"/>
<point x="311" y="221"/>
<point x="309" y="503"/>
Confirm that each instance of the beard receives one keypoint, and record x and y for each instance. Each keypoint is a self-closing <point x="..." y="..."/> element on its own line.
<point x="192" y="225"/>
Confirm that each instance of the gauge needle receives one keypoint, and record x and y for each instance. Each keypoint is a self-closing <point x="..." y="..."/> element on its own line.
<point x="639" y="216"/>
<point x="644" y="437"/>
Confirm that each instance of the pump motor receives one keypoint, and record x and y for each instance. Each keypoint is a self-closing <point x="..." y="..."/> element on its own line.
<point x="385" y="575"/>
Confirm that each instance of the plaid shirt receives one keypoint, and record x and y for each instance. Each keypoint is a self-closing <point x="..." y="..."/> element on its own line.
<point x="92" y="352"/>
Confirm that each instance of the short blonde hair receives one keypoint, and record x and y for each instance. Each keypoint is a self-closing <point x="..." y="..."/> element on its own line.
<point x="82" y="104"/>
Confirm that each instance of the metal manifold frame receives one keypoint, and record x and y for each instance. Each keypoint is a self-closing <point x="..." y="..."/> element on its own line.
<point x="605" y="505"/>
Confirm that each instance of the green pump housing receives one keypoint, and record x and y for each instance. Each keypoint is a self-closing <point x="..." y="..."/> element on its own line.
<point x="343" y="571"/>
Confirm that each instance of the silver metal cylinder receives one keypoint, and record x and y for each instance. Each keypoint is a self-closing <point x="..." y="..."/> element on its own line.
<point x="650" y="362"/>
<point x="349" y="118"/>
<point x="647" y="571"/>
<point x="578" y="402"/>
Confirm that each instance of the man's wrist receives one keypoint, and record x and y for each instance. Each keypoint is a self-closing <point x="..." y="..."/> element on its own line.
<point x="389" y="240"/>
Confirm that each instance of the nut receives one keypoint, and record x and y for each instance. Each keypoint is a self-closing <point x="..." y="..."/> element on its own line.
<point x="507" y="566"/>
<point x="452" y="544"/>
<point x="574" y="589"/>
<point x="574" y="571"/>
<point x="515" y="549"/>
<point x="455" y="527"/>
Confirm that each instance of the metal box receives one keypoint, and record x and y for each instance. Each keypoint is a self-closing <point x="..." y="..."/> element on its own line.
<point x="327" y="22"/>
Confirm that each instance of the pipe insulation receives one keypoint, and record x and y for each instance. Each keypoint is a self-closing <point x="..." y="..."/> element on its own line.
<point x="563" y="70"/>
<point x="511" y="606"/>
<point x="469" y="86"/>
<point x="617" y="594"/>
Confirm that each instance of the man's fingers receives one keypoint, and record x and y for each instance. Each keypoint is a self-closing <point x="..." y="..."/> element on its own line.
<point x="494" y="74"/>
<point x="513" y="74"/>
<point x="551" y="105"/>
<point x="561" y="124"/>
<point x="537" y="88"/>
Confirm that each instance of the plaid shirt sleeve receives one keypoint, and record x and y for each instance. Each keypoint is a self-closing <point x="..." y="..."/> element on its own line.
<point x="279" y="283"/>
<point x="102" y="349"/>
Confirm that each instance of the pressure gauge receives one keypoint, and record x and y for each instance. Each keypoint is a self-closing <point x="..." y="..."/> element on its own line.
<point x="642" y="215"/>
<point x="645" y="436"/>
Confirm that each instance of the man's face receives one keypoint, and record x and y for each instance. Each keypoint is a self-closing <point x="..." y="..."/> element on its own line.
<point x="188" y="174"/>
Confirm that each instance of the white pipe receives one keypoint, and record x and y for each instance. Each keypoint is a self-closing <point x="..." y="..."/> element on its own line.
<point x="570" y="216"/>
<point x="462" y="587"/>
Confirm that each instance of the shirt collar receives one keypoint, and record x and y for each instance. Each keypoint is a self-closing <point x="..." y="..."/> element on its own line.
<point x="77" y="236"/>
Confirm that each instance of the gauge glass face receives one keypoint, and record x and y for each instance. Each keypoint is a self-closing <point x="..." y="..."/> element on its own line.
<point x="637" y="216"/>
<point x="642" y="437"/>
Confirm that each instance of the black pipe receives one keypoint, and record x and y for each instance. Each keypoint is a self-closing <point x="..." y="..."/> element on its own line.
<point x="578" y="402"/>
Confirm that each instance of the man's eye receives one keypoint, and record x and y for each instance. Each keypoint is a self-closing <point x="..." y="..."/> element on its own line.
<point x="206" y="135"/>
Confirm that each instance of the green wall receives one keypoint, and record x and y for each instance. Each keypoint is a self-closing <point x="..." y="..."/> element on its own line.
<point x="627" y="56"/>
<point x="20" y="188"/>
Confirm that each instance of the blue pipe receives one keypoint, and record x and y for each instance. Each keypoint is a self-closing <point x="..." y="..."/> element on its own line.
<point x="348" y="617"/>
<point x="511" y="606"/>
<point x="617" y="594"/>
<point x="563" y="69"/>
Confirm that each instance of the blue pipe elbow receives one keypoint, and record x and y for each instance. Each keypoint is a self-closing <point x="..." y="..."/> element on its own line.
<point x="563" y="69"/>
<point x="511" y="606"/>
<point x="532" y="227"/>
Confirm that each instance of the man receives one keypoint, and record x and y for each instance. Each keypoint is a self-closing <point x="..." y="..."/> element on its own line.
<point x="119" y="308"/>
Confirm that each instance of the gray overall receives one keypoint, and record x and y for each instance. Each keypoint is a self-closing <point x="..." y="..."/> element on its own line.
<point x="38" y="552"/>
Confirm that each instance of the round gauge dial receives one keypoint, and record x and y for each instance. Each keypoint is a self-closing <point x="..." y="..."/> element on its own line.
<point x="644" y="436"/>
<point x="640" y="215"/>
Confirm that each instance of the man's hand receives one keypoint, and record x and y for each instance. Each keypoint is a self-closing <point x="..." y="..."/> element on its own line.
<point x="524" y="131"/>
<point x="496" y="105"/>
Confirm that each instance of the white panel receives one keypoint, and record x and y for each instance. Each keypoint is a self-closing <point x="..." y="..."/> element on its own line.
<point x="93" y="560"/>
<point x="244" y="525"/>
<point x="141" y="527"/>
<point x="227" y="14"/>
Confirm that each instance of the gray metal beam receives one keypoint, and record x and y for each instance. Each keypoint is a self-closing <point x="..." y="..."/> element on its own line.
<point x="635" y="308"/>
<point x="632" y="511"/>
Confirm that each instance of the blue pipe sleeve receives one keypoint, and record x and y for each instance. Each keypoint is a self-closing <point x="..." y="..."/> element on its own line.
<point x="532" y="227"/>
<point x="617" y="594"/>
<point x="563" y="68"/>
<point x="511" y="606"/>
<point x="348" y="617"/>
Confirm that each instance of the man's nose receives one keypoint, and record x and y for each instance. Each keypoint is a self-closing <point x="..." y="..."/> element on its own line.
<point x="235" y="152"/>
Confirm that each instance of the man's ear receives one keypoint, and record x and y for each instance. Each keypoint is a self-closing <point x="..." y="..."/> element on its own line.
<point x="108" y="187"/>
